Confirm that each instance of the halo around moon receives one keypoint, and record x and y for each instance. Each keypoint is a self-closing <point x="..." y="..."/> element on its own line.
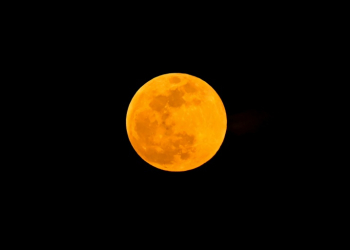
<point x="176" y="122"/>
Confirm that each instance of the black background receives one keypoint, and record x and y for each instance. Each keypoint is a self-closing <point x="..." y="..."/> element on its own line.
<point x="75" y="68"/>
<point x="92" y="63"/>
<point x="255" y="66"/>
<point x="253" y="74"/>
<point x="254" y="71"/>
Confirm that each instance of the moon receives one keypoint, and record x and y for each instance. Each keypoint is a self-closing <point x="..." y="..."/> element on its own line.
<point x="176" y="122"/>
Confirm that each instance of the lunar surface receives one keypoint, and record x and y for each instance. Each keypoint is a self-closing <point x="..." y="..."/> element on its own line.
<point x="176" y="122"/>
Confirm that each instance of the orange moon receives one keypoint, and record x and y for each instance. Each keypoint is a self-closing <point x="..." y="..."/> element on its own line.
<point x="176" y="122"/>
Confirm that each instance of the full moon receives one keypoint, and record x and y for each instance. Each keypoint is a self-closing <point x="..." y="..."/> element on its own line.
<point x="176" y="122"/>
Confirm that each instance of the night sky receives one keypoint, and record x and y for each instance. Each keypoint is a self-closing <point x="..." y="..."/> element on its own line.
<point x="92" y="65"/>
<point x="253" y="80"/>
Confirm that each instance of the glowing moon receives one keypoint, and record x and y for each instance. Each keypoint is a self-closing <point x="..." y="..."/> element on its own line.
<point x="176" y="122"/>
